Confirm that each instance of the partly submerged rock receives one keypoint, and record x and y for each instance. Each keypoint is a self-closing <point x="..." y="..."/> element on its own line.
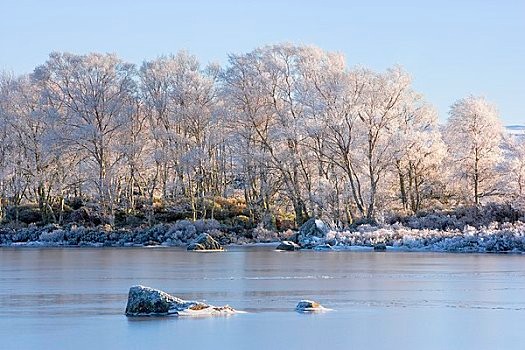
<point x="380" y="247"/>
<point x="146" y="301"/>
<point x="309" y="306"/>
<point x="205" y="242"/>
<point x="288" y="245"/>
<point x="322" y="247"/>
<point x="312" y="232"/>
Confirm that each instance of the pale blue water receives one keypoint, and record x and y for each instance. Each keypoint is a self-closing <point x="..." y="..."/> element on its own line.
<point x="74" y="299"/>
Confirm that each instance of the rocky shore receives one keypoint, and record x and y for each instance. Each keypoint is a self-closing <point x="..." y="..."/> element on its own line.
<point x="180" y="233"/>
<point x="314" y="234"/>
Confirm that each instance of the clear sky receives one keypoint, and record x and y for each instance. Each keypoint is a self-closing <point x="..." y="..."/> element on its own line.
<point x="451" y="48"/>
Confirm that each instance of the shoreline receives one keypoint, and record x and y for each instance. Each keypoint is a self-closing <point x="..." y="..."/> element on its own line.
<point x="505" y="238"/>
<point x="356" y="248"/>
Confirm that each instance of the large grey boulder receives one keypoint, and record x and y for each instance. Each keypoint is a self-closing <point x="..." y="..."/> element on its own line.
<point x="205" y="242"/>
<point x="312" y="232"/>
<point x="288" y="246"/>
<point x="146" y="301"/>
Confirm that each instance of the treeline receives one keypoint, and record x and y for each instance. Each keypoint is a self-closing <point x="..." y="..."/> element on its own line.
<point x="281" y="133"/>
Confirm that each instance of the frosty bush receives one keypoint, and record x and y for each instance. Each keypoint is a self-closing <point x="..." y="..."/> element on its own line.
<point x="158" y="232"/>
<point x="508" y="238"/>
<point x="26" y="235"/>
<point x="492" y="213"/>
<point x="223" y="238"/>
<point x="182" y="232"/>
<point x="206" y="225"/>
<point x="260" y="234"/>
<point x="52" y="236"/>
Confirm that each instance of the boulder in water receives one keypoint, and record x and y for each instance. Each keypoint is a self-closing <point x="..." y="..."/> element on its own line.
<point x="288" y="246"/>
<point x="146" y="301"/>
<point x="309" y="306"/>
<point x="380" y="247"/>
<point x="323" y="247"/>
<point x="312" y="232"/>
<point x="205" y="242"/>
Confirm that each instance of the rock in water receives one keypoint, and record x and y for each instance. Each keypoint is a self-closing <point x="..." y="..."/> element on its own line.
<point x="146" y="301"/>
<point x="323" y="247"/>
<point x="312" y="232"/>
<point x="288" y="245"/>
<point x="205" y="242"/>
<point x="380" y="247"/>
<point x="309" y="306"/>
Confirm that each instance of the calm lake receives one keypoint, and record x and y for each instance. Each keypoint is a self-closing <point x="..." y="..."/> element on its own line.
<point x="74" y="298"/>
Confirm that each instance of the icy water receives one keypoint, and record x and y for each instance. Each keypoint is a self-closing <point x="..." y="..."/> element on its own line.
<point x="71" y="298"/>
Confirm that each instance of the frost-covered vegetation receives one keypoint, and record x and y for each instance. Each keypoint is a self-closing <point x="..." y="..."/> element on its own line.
<point x="112" y="152"/>
<point x="495" y="238"/>
<point x="494" y="229"/>
<point x="180" y="233"/>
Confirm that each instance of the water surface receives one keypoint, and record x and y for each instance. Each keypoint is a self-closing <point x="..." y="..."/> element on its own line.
<point x="74" y="298"/>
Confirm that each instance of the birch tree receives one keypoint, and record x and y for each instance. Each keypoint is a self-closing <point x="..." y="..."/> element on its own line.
<point x="93" y="91"/>
<point x="473" y="135"/>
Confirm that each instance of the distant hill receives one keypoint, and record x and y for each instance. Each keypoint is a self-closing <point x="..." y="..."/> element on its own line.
<point x="516" y="130"/>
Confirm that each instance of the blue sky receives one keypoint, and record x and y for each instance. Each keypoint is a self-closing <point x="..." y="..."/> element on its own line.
<point x="451" y="48"/>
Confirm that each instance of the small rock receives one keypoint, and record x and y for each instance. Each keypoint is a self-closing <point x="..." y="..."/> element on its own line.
<point x="309" y="306"/>
<point x="322" y="247"/>
<point x="205" y="242"/>
<point x="288" y="245"/>
<point x="380" y="247"/>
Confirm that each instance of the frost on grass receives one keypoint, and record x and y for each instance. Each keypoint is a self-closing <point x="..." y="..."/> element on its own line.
<point x="505" y="238"/>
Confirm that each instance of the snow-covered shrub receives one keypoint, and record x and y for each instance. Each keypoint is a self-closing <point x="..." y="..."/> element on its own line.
<point x="182" y="232"/>
<point x="29" y="234"/>
<point x="260" y="234"/>
<point x="158" y="232"/>
<point x="286" y="235"/>
<point x="91" y="235"/>
<point x="434" y="222"/>
<point x="223" y="238"/>
<point x="462" y="216"/>
<point x="52" y="236"/>
<point x="206" y="225"/>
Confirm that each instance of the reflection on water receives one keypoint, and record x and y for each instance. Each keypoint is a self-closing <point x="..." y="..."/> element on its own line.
<point x="63" y="298"/>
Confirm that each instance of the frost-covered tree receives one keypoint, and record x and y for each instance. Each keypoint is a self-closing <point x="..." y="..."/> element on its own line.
<point x="473" y="135"/>
<point x="329" y="96"/>
<point x="380" y="112"/>
<point x="313" y="120"/>
<point x="7" y="156"/>
<point x="134" y="147"/>
<point x="513" y="167"/>
<point x="32" y="139"/>
<point x="263" y="92"/>
<point x="286" y="132"/>
<point x="419" y="156"/>
<point x="92" y="93"/>
<point x="181" y="101"/>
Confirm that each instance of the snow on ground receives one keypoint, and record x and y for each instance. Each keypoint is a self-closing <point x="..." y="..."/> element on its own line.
<point x="505" y="238"/>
